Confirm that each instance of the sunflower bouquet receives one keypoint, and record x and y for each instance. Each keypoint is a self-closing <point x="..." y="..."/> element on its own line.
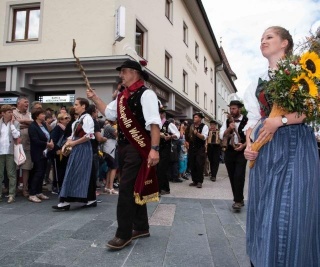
<point x="294" y="86"/>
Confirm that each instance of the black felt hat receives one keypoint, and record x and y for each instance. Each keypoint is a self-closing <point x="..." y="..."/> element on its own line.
<point x="132" y="64"/>
<point x="236" y="103"/>
<point x="200" y="114"/>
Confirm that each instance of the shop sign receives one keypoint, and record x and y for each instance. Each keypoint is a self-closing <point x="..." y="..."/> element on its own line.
<point x="8" y="100"/>
<point x="57" y="99"/>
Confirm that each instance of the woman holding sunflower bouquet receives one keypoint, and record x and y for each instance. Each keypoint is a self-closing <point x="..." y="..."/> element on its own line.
<point x="283" y="216"/>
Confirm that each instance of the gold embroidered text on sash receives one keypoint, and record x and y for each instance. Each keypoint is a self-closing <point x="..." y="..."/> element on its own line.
<point x="127" y="122"/>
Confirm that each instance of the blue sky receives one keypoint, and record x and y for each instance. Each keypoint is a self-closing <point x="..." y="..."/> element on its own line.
<point x="240" y="24"/>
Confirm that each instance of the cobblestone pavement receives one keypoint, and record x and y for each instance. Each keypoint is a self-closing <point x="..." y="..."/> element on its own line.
<point x="189" y="227"/>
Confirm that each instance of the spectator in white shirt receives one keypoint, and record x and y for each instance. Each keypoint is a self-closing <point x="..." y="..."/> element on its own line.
<point x="9" y="133"/>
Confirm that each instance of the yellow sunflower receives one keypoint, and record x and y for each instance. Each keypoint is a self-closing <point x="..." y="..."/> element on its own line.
<point x="310" y="62"/>
<point x="307" y="83"/>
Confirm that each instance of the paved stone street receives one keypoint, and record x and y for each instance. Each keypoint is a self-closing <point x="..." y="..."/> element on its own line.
<point x="189" y="227"/>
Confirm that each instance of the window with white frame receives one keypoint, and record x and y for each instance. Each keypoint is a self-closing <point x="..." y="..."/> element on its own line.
<point x="211" y="106"/>
<point x="25" y="23"/>
<point x="141" y="40"/>
<point x="168" y="66"/>
<point x="185" y="82"/>
<point x="168" y="10"/>
<point x="196" y="51"/>
<point x="196" y="88"/>
<point x="205" y="100"/>
<point x="185" y="33"/>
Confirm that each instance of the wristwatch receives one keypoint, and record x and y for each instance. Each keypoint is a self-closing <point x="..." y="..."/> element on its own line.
<point x="284" y="120"/>
<point x="156" y="148"/>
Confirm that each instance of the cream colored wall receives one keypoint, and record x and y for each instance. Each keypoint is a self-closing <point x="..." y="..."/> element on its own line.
<point x="90" y="23"/>
<point x="166" y="36"/>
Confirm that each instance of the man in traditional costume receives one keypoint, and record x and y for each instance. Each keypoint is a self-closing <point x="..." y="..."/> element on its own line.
<point x="232" y="131"/>
<point x="137" y="113"/>
<point x="196" y="138"/>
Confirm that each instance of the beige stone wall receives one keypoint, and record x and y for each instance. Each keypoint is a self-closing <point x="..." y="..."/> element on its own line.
<point x="92" y="25"/>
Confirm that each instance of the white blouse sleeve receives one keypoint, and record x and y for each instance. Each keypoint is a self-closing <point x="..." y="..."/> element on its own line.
<point x="88" y="126"/>
<point x="150" y="109"/>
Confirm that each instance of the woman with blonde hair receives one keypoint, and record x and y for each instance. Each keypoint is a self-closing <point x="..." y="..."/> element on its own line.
<point x="283" y="218"/>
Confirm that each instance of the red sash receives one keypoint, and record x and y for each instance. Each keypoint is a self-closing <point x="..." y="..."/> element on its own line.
<point x="146" y="185"/>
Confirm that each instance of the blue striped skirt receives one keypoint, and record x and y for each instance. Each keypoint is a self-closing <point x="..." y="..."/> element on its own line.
<point x="283" y="216"/>
<point x="77" y="177"/>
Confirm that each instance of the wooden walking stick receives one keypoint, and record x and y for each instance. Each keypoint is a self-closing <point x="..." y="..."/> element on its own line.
<point x="83" y="73"/>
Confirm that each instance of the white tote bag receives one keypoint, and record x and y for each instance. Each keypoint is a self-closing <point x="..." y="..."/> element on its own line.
<point x="19" y="155"/>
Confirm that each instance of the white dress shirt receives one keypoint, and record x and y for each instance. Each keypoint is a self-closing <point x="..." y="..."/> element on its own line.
<point x="174" y="130"/>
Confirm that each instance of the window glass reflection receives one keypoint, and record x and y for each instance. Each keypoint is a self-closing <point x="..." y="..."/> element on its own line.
<point x="34" y="19"/>
<point x="20" y="24"/>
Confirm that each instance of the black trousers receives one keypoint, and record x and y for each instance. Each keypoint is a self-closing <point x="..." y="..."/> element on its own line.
<point x="173" y="171"/>
<point x="213" y="153"/>
<point x="163" y="169"/>
<point x="129" y="214"/>
<point x="197" y="159"/>
<point x="37" y="176"/>
<point x="236" y="167"/>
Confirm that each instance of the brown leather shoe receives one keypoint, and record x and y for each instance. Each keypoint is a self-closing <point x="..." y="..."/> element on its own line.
<point x="193" y="184"/>
<point x="118" y="243"/>
<point x="164" y="192"/>
<point x="137" y="234"/>
<point x="199" y="185"/>
<point x="237" y="206"/>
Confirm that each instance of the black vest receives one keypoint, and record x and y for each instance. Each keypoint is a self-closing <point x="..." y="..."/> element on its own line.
<point x="242" y="124"/>
<point x="134" y="103"/>
<point x="197" y="142"/>
<point x="165" y="130"/>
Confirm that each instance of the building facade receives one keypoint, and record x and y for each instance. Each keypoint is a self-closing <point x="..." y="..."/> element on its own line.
<point x="173" y="37"/>
<point x="225" y="88"/>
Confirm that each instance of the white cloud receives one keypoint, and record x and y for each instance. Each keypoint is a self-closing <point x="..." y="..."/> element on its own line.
<point x="240" y="25"/>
